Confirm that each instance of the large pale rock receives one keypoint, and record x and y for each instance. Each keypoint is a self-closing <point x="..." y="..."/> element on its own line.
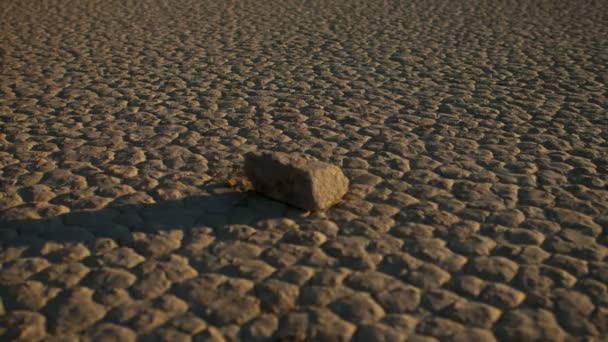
<point x="299" y="180"/>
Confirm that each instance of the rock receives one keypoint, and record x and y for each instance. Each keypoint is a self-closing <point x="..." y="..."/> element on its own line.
<point x="298" y="180"/>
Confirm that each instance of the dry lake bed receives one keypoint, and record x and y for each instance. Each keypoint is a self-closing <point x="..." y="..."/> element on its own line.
<point x="474" y="135"/>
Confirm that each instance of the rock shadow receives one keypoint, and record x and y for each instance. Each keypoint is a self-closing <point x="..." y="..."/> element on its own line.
<point x="215" y="209"/>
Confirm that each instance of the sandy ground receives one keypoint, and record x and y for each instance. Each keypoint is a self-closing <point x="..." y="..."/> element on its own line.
<point x="475" y="134"/>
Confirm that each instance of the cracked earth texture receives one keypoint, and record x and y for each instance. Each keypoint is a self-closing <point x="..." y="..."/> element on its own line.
<point x="475" y="135"/>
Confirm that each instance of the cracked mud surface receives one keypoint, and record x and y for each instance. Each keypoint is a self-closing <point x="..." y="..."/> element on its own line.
<point x="475" y="135"/>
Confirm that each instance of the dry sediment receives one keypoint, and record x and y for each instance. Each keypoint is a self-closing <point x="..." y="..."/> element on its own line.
<point x="474" y="134"/>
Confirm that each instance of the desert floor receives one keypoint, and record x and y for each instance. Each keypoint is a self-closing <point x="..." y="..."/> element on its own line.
<point x="474" y="133"/>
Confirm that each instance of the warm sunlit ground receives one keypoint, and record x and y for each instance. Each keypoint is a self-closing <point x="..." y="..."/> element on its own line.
<point x="475" y="135"/>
